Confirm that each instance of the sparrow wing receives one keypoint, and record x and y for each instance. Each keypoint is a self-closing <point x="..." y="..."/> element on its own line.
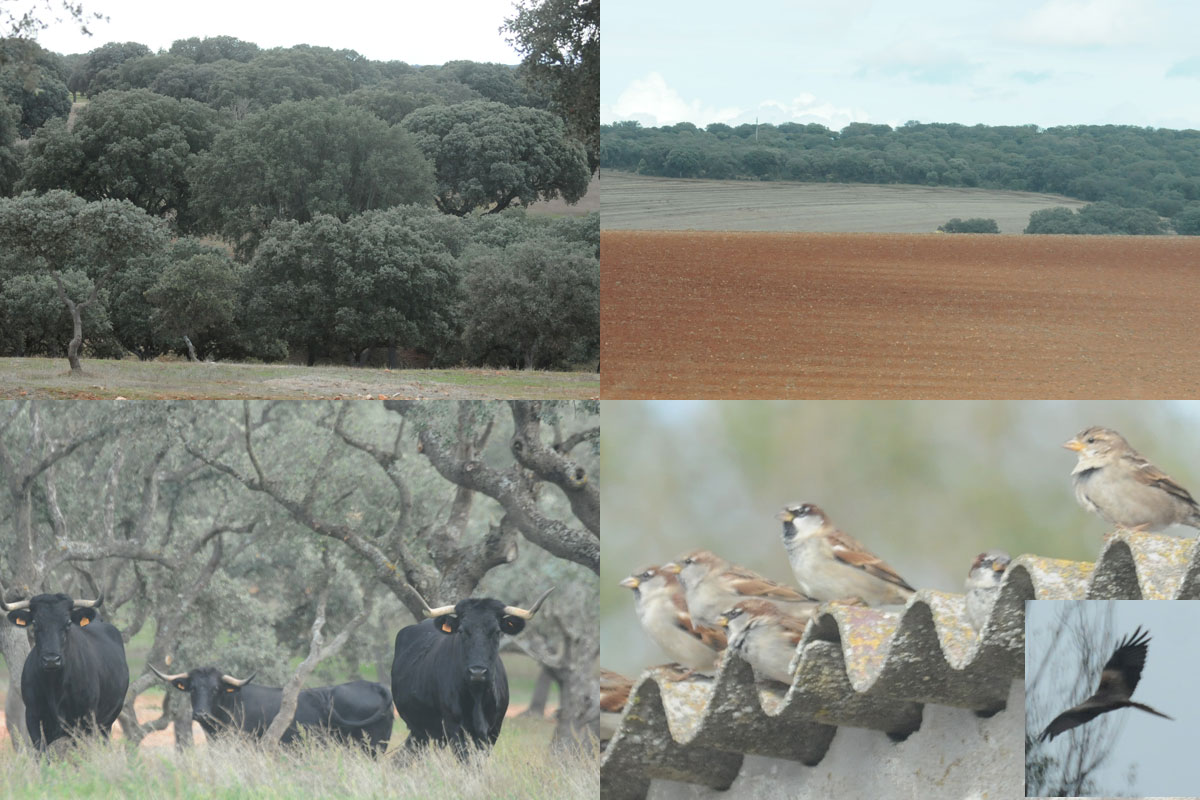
<point x="848" y="550"/>
<point x="614" y="691"/>
<point x="1151" y="475"/>
<point x="710" y="637"/>
<point x="759" y="586"/>
<point x="793" y="627"/>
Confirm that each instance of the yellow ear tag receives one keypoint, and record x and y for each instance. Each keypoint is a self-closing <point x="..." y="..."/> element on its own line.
<point x="446" y="627"/>
<point x="229" y="688"/>
<point x="20" y="621"/>
<point x="179" y="685"/>
<point x="83" y="621"/>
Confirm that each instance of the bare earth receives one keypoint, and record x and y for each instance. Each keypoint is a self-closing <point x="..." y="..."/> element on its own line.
<point x="639" y="202"/>
<point x="154" y="380"/>
<point x="724" y="315"/>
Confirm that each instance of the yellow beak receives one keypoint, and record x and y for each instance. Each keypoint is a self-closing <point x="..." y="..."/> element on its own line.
<point x="672" y="568"/>
<point x="1074" y="444"/>
<point x="785" y="516"/>
<point x="631" y="582"/>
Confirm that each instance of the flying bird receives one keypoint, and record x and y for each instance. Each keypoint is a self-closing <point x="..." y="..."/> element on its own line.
<point x="1117" y="682"/>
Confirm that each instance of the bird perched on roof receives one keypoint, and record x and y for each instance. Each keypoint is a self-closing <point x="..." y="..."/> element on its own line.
<point x="1116" y="482"/>
<point x="832" y="565"/>
<point x="983" y="585"/>
<point x="713" y="585"/>
<point x="664" y="614"/>
<point x="764" y="637"/>
<point x="1117" y="682"/>
<point x="614" y="693"/>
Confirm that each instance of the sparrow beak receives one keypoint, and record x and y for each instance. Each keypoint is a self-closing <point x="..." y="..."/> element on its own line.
<point x="999" y="566"/>
<point x="630" y="582"/>
<point x="785" y="516"/>
<point x="672" y="568"/>
<point x="1074" y="444"/>
<point x="723" y="622"/>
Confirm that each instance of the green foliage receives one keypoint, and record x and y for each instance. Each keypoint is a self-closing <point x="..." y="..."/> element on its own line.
<point x="197" y="296"/>
<point x="214" y="48"/>
<point x="1096" y="218"/>
<point x="297" y="160"/>
<point x="1131" y="167"/>
<point x="1187" y="221"/>
<point x="31" y="79"/>
<point x="535" y="303"/>
<point x="488" y="155"/>
<point x="59" y="233"/>
<point x="100" y="68"/>
<point x="9" y="161"/>
<point x="33" y="318"/>
<point x="972" y="225"/>
<point x="385" y="278"/>
<point x="133" y="145"/>
<point x="560" y="41"/>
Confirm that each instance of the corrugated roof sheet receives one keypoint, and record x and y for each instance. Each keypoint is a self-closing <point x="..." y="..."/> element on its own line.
<point x="868" y="668"/>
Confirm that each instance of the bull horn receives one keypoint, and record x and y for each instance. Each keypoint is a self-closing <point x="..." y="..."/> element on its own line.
<point x="90" y="603"/>
<point x="167" y="678"/>
<point x="522" y="613"/>
<point x="17" y="606"/>
<point x="232" y="681"/>
<point x="432" y="612"/>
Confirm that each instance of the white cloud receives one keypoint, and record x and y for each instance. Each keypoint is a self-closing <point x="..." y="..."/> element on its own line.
<point x="1087" y="23"/>
<point x="806" y="108"/>
<point x="650" y="101"/>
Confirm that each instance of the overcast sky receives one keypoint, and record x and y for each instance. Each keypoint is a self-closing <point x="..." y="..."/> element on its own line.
<point x="1046" y="62"/>
<point x="1162" y="750"/>
<point x="403" y="30"/>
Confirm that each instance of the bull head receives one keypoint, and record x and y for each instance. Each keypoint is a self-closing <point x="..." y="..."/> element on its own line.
<point x="82" y="611"/>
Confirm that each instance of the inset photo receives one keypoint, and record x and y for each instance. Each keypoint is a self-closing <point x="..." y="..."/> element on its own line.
<point x="1109" y="706"/>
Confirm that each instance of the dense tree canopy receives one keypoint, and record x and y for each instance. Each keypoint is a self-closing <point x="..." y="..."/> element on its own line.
<point x="560" y="40"/>
<point x="488" y="155"/>
<point x="131" y="146"/>
<point x="100" y="69"/>
<point x="58" y="233"/>
<point x="32" y="79"/>
<point x="300" y="159"/>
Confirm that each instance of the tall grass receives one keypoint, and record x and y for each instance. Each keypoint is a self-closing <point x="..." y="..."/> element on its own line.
<point x="521" y="766"/>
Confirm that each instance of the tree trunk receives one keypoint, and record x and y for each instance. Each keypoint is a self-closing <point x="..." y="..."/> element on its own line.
<point x="191" y="349"/>
<point x="312" y="354"/>
<point x="541" y="693"/>
<point x="392" y="353"/>
<point x="15" y="646"/>
<point x="76" y="340"/>
<point x="579" y="690"/>
<point x="181" y="716"/>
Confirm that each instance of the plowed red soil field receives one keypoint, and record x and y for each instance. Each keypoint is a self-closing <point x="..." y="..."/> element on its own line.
<point x="832" y="315"/>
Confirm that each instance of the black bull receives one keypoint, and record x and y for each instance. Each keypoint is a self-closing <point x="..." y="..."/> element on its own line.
<point x="358" y="711"/>
<point x="447" y="678"/>
<point x="75" y="677"/>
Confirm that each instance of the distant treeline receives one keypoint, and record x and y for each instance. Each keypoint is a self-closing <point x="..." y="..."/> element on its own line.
<point x="1151" y="168"/>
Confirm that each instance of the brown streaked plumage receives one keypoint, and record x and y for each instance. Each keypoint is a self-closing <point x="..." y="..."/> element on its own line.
<point x="830" y="564"/>
<point x="712" y="585"/>
<point x="663" y="612"/>
<point x="1118" y="679"/>
<point x="614" y="693"/>
<point x="1118" y="483"/>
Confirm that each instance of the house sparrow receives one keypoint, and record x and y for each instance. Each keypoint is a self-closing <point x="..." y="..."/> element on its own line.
<point x="983" y="585"/>
<point x="764" y="637"/>
<point x="614" y="693"/>
<point x="664" y="614"/>
<point x="1114" y="481"/>
<point x="832" y="565"/>
<point x="712" y="585"/>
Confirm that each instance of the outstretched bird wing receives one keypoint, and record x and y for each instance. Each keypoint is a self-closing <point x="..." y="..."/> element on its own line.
<point x="1118" y="679"/>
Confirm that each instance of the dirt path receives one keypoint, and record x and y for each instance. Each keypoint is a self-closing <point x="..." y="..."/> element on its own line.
<point x="710" y="315"/>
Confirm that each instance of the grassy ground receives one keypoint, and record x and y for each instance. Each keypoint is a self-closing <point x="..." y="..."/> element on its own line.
<point x="641" y="202"/>
<point x="521" y="766"/>
<point x="153" y="380"/>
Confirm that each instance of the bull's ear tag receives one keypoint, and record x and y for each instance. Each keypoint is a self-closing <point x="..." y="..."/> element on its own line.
<point x="229" y="688"/>
<point x="20" y="621"/>
<point x="84" y="621"/>
<point x="179" y="685"/>
<point x="446" y="628"/>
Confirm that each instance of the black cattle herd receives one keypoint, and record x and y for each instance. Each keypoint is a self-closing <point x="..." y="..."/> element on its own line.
<point x="448" y="683"/>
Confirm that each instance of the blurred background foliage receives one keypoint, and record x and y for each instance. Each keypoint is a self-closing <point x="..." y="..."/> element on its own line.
<point x="925" y="485"/>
